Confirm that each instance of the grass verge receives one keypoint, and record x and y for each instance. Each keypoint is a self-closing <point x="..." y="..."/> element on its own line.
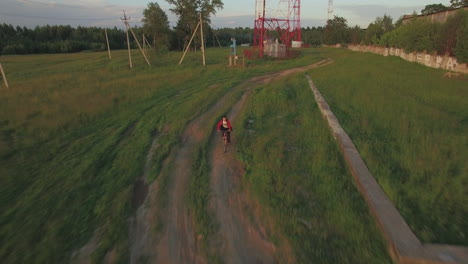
<point x="410" y="126"/>
<point x="74" y="133"/>
<point x="295" y="170"/>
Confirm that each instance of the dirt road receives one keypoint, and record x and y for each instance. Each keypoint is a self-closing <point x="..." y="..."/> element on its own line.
<point x="242" y="240"/>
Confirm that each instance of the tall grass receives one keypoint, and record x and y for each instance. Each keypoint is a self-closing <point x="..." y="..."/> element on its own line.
<point x="295" y="170"/>
<point x="74" y="133"/>
<point x="410" y="125"/>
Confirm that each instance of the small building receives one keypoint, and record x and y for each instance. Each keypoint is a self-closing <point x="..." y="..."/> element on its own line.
<point x="296" y="44"/>
<point x="274" y="49"/>
<point x="439" y="17"/>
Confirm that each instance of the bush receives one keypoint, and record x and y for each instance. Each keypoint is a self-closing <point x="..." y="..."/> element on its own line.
<point x="8" y="50"/>
<point x="450" y="32"/>
<point x="461" y="50"/>
<point x="418" y="35"/>
<point x="14" y="49"/>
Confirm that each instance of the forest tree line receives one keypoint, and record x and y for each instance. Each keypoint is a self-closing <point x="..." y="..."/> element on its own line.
<point x="420" y="35"/>
<point x="65" y="39"/>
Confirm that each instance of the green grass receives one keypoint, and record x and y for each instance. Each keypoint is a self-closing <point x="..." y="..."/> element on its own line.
<point x="295" y="169"/>
<point x="410" y="125"/>
<point x="75" y="130"/>
<point x="74" y="133"/>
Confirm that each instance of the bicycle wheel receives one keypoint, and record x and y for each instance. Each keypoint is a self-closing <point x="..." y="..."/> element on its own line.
<point x="225" y="141"/>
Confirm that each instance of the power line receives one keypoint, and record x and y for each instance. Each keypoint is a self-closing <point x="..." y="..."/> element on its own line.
<point x="52" y="4"/>
<point x="59" y="18"/>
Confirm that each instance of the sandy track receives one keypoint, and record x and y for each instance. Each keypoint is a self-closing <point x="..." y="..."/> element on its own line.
<point x="242" y="242"/>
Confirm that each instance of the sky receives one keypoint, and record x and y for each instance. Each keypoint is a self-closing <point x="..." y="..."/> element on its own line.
<point x="236" y="13"/>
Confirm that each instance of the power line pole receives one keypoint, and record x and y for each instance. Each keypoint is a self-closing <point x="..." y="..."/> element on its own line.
<point x="190" y="42"/>
<point x="200" y="24"/>
<point x="125" y="20"/>
<point x="202" y="39"/>
<point x="148" y="44"/>
<point x="108" y="47"/>
<point x="127" y="25"/>
<point x="4" y="77"/>
<point x="139" y="46"/>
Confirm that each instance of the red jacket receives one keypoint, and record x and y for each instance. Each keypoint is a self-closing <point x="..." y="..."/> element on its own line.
<point x="220" y="123"/>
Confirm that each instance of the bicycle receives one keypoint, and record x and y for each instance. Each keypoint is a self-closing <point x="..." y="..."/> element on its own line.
<point x="225" y="139"/>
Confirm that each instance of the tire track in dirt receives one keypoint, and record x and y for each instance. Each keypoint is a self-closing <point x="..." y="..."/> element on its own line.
<point x="177" y="243"/>
<point x="241" y="240"/>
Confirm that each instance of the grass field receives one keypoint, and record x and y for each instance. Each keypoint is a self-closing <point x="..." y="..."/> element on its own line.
<point x="74" y="133"/>
<point x="75" y="130"/>
<point x="295" y="170"/>
<point x="410" y="125"/>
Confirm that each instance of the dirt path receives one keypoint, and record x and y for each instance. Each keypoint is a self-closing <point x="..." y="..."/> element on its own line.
<point x="242" y="242"/>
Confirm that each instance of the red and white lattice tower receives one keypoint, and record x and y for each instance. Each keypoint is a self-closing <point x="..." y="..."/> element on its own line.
<point x="281" y="21"/>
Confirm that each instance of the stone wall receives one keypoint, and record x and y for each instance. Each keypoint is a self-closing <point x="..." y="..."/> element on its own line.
<point x="439" y="17"/>
<point x="430" y="60"/>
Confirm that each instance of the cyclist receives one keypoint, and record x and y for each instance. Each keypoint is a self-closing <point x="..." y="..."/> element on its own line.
<point x="225" y="125"/>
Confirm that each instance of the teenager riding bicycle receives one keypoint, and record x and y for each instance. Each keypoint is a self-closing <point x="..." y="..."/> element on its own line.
<point x="225" y="126"/>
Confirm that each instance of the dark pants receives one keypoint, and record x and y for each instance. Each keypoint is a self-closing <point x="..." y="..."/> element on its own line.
<point x="228" y="134"/>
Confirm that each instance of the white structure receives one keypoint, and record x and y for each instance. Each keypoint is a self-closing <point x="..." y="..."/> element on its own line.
<point x="296" y="44"/>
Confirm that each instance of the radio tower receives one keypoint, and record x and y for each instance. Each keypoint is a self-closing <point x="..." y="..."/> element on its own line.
<point x="284" y="22"/>
<point x="330" y="9"/>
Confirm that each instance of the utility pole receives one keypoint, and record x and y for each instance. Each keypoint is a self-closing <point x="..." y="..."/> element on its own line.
<point x="108" y="47"/>
<point x="200" y="24"/>
<point x="145" y="40"/>
<point x="136" y="40"/>
<point x="4" y="77"/>
<point x="202" y="39"/>
<point x="125" y="20"/>
<point x="149" y="44"/>
<point x="190" y="42"/>
<point x="127" y="25"/>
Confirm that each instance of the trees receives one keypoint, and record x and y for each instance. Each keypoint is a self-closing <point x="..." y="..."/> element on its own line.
<point x="56" y="39"/>
<point x="356" y="35"/>
<point x="452" y="37"/>
<point x="419" y="35"/>
<point x="434" y="8"/>
<point x="313" y="36"/>
<point x="156" y="25"/>
<point x="458" y="3"/>
<point x="461" y="49"/>
<point x="336" y="31"/>
<point x="377" y="29"/>
<point x="189" y="11"/>
<point x="448" y="34"/>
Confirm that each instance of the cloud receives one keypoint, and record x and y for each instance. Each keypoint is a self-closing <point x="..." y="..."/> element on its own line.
<point x="363" y="15"/>
<point x="232" y="21"/>
<point x="31" y="13"/>
<point x="248" y="21"/>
